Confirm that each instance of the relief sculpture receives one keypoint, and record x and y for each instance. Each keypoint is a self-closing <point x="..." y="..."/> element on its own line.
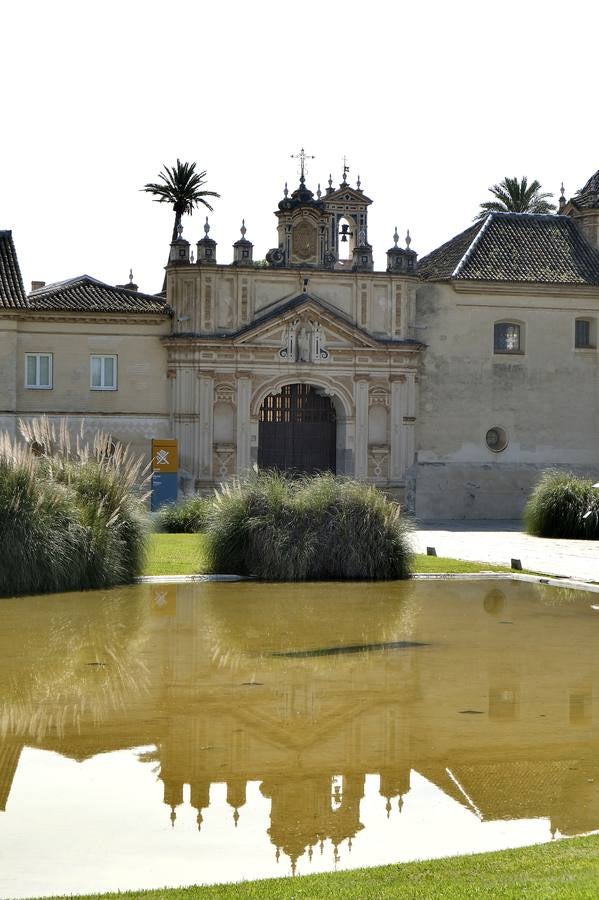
<point x="304" y="342"/>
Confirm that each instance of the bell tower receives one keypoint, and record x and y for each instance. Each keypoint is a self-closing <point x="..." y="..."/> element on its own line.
<point x="347" y="209"/>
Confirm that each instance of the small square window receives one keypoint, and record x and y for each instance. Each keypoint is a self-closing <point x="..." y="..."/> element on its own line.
<point x="103" y="373"/>
<point x="507" y="338"/>
<point x="38" y="371"/>
<point x="583" y="336"/>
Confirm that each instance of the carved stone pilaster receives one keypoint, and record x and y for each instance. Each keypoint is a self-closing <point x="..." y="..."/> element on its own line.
<point x="361" y="446"/>
<point x="206" y="381"/>
<point x="244" y="393"/>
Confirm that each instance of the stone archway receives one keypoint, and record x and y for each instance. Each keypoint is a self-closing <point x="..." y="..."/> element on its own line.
<point x="297" y="430"/>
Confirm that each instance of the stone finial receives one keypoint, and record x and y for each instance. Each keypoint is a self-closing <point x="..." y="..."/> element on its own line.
<point x="359" y="184"/>
<point x="193" y="259"/>
<point x="395" y="237"/>
<point x="330" y="180"/>
<point x="408" y="239"/>
<point x="318" y="191"/>
<point x="130" y="276"/>
<point x="285" y="191"/>
<point x="243" y="249"/>
<point x="206" y="227"/>
<point x="562" y="197"/>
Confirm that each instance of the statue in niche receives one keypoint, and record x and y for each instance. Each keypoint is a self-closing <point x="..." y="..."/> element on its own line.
<point x="303" y="345"/>
<point x="303" y="341"/>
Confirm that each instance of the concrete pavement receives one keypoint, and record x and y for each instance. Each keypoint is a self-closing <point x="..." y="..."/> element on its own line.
<point x="498" y="541"/>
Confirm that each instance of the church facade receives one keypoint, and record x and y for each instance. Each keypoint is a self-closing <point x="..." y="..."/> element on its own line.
<point x="449" y="382"/>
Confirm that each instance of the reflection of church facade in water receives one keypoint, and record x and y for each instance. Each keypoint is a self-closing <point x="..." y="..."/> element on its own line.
<point x="230" y="701"/>
<point x="451" y="381"/>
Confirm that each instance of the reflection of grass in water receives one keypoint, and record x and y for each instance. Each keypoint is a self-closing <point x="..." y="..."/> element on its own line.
<point x="253" y="620"/>
<point x="554" y="596"/>
<point x="51" y="685"/>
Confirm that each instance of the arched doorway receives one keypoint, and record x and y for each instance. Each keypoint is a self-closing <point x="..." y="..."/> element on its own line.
<point x="297" y="431"/>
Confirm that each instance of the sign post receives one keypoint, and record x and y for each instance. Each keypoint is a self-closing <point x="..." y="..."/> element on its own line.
<point x="165" y="469"/>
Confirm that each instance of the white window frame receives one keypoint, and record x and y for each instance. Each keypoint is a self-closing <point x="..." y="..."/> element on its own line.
<point x="37" y="386"/>
<point x="103" y="386"/>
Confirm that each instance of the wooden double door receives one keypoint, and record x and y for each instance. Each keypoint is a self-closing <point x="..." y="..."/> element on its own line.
<point x="297" y="431"/>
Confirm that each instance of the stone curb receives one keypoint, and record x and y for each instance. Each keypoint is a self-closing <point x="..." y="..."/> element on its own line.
<point x="183" y="579"/>
<point x="437" y="576"/>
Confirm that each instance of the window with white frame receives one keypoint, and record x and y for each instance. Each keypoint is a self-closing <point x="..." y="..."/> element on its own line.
<point x="102" y="373"/>
<point x="38" y="371"/>
<point x="507" y="337"/>
<point x="584" y="337"/>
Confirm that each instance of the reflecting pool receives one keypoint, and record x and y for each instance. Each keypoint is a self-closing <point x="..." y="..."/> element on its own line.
<point x="178" y="734"/>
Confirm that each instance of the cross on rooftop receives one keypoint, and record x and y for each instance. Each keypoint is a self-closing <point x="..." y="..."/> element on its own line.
<point x="345" y="169"/>
<point x="302" y="156"/>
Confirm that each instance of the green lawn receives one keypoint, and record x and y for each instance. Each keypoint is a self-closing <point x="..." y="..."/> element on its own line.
<point x="564" y="869"/>
<point x="175" y="554"/>
<point x="184" y="554"/>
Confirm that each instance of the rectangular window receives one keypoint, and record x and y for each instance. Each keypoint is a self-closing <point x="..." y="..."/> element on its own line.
<point x="38" y="371"/>
<point x="582" y="333"/>
<point x="507" y="338"/>
<point x="102" y="373"/>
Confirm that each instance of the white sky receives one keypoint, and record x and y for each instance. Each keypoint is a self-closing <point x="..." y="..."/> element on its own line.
<point x="431" y="100"/>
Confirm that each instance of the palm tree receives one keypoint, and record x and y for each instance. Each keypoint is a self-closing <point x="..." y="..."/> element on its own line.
<point x="516" y="196"/>
<point x="181" y="186"/>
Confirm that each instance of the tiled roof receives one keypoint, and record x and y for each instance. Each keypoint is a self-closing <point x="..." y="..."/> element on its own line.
<point x="440" y="264"/>
<point x="12" y="292"/>
<point x="87" y="294"/>
<point x="517" y="248"/>
<point x="588" y="196"/>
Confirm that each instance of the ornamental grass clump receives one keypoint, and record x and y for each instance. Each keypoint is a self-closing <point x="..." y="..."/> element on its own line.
<point x="311" y="528"/>
<point x="42" y="540"/>
<point x="188" y="516"/>
<point x="563" y="505"/>
<point x="71" y="517"/>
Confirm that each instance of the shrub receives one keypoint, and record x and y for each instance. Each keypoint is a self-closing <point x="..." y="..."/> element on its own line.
<point x="186" y="517"/>
<point x="558" y="505"/>
<point x="310" y="528"/>
<point x="42" y="540"/>
<point x="70" y="519"/>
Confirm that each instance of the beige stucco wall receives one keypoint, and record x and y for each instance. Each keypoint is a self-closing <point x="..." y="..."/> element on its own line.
<point x="221" y="299"/>
<point x="8" y="373"/>
<point x="137" y="411"/>
<point x="546" y="398"/>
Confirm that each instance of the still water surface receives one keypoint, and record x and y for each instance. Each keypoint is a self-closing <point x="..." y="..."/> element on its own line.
<point x="170" y="735"/>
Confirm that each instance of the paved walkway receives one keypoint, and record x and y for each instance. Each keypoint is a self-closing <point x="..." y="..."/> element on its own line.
<point x="498" y="541"/>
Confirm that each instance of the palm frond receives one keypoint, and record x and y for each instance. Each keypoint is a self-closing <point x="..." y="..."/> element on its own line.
<point x="512" y="195"/>
<point x="180" y="185"/>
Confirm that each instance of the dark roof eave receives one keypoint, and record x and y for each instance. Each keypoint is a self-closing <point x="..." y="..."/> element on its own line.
<point x="222" y="338"/>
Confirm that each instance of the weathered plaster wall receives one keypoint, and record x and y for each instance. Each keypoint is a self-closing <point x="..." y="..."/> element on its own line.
<point x="137" y="411"/>
<point x="546" y="398"/>
<point x="8" y="373"/>
<point x="222" y="299"/>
